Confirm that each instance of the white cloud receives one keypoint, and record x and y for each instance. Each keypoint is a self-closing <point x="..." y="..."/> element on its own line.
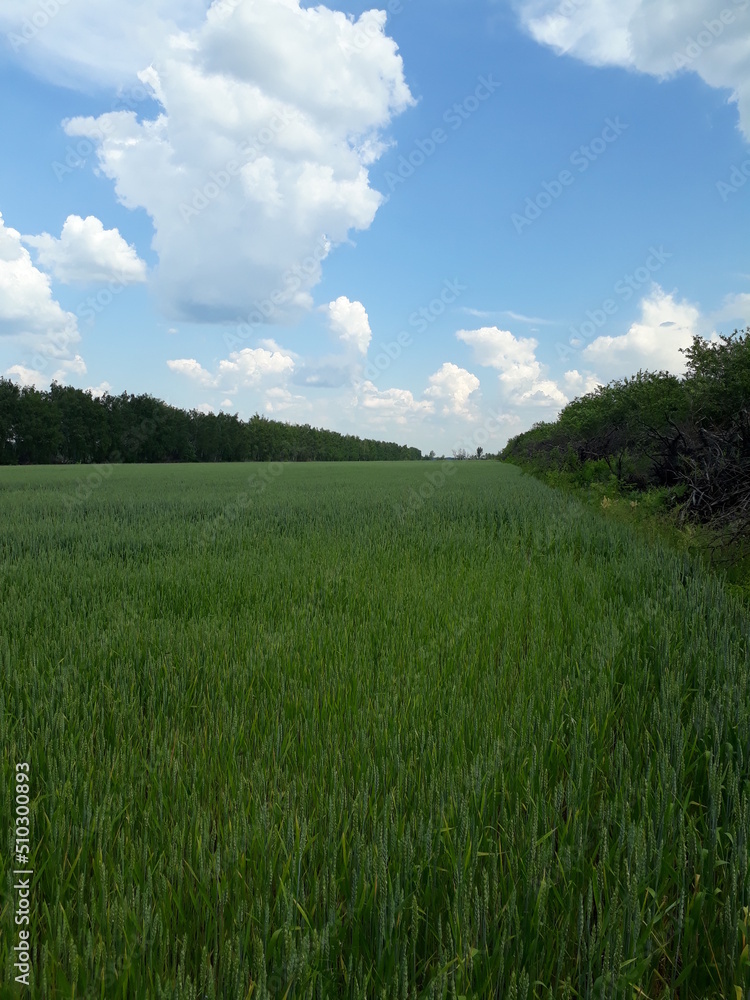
<point x="252" y="365"/>
<point x="579" y="384"/>
<point x="735" y="309"/>
<point x="349" y="321"/>
<point x="190" y="368"/>
<point x="279" y="400"/>
<point x="87" y="252"/>
<point x="97" y="391"/>
<point x="653" y="36"/>
<point x="28" y="312"/>
<point x="249" y="367"/>
<point x="257" y="164"/>
<point x="396" y="405"/>
<point x="453" y="386"/>
<point x="651" y="343"/>
<point x="25" y="375"/>
<point x="522" y="378"/>
<point x="495" y="348"/>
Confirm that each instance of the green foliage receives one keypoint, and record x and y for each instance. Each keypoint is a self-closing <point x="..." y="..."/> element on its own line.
<point x="655" y="430"/>
<point x="495" y="749"/>
<point x="67" y="425"/>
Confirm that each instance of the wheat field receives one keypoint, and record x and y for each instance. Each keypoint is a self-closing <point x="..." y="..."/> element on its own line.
<point x="401" y="731"/>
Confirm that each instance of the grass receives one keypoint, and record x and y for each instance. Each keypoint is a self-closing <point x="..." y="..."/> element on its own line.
<point x="306" y="736"/>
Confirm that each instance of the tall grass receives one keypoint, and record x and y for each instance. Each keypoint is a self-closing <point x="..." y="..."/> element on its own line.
<point x="497" y="749"/>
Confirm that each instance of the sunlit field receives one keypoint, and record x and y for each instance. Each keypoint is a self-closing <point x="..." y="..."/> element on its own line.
<point x="410" y="730"/>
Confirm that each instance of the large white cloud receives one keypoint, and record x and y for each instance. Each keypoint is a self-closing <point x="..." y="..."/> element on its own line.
<point x="257" y="164"/>
<point x="350" y="322"/>
<point x="660" y="37"/>
<point x="87" y="252"/>
<point x="453" y="387"/>
<point x="522" y="378"/>
<point x="653" y="342"/>
<point x="31" y="317"/>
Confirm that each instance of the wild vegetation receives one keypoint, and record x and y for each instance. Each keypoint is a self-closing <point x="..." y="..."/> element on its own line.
<point x="496" y="749"/>
<point x="66" y="425"/>
<point x="688" y="438"/>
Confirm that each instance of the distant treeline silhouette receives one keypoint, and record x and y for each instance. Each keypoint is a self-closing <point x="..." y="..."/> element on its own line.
<point x="67" y="425"/>
<point x="689" y="435"/>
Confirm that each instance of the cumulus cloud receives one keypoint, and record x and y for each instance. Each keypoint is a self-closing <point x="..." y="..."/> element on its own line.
<point x="28" y="312"/>
<point x="249" y="367"/>
<point x="86" y="252"/>
<point x="97" y="391"/>
<point x="522" y="377"/>
<point x="190" y="368"/>
<point x="652" y="36"/>
<point x="496" y="348"/>
<point x="350" y="323"/>
<point x="653" y="342"/>
<point x="280" y="400"/>
<point x="252" y="365"/>
<point x="453" y="387"/>
<point x="41" y="379"/>
<point x="580" y="383"/>
<point x="257" y="164"/>
<point x="392" y="405"/>
<point x="735" y="310"/>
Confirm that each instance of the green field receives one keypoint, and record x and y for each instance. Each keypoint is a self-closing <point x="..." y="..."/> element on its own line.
<point x="299" y="735"/>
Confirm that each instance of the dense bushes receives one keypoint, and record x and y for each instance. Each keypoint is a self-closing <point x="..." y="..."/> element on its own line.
<point x="67" y="425"/>
<point x="691" y="434"/>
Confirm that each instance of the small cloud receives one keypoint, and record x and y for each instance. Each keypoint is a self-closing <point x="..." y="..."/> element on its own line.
<point x="350" y="323"/>
<point x="453" y="386"/>
<point x="190" y="368"/>
<point x="97" y="391"/>
<point x="536" y="320"/>
<point x="397" y="405"/>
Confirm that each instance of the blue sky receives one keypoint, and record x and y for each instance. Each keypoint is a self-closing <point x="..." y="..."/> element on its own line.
<point x="427" y="223"/>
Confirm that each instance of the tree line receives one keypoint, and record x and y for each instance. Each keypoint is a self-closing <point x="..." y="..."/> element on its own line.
<point x="68" y="425"/>
<point x="690" y="435"/>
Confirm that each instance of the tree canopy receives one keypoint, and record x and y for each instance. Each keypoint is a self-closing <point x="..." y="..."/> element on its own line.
<point x="67" y="425"/>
